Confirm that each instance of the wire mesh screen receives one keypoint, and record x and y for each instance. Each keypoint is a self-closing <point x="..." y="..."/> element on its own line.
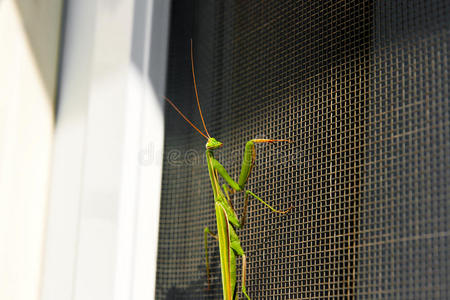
<point x="362" y="89"/>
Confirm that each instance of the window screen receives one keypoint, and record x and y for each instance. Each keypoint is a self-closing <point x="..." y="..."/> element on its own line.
<point x="362" y="89"/>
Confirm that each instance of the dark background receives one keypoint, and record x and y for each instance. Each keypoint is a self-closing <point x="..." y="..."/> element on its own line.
<point x="362" y="88"/>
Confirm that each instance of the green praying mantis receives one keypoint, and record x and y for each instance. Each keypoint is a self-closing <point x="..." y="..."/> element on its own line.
<point x="227" y="220"/>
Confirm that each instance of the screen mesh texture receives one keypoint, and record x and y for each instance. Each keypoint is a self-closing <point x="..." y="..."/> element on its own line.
<point x="362" y="89"/>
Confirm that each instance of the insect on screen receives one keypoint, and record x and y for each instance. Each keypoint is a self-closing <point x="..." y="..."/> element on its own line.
<point x="362" y="89"/>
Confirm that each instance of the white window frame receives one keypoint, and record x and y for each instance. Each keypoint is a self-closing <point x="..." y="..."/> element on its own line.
<point x="107" y="159"/>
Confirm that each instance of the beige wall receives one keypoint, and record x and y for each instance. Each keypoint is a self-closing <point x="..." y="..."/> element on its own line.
<point x="29" y="32"/>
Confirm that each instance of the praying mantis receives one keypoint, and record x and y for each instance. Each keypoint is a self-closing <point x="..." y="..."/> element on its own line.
<point x="226" y="218"/>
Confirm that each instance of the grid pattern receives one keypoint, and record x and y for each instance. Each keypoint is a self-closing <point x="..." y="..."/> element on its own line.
<point x="405" y="211"/>
<point x="361" y="87"/>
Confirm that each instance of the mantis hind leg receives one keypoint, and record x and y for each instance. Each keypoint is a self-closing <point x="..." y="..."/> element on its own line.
<point x="207" y="231"/>
<point x="244" y="269"/>
<point x="237" y="250"/>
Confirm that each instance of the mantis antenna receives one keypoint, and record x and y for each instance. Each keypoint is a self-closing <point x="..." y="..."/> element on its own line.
<point x="195" y="87"/>
<point x="184" y="117"/>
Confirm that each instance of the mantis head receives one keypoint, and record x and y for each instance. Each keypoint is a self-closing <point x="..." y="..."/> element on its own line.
<point x="213" y="144"/>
